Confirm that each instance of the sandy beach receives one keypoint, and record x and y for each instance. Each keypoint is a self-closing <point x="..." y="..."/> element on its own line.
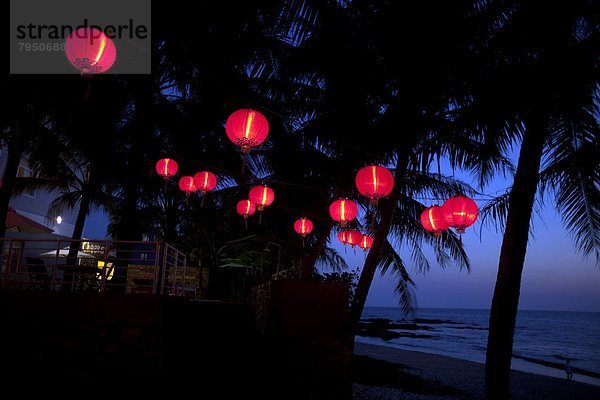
<point x="463" y="379"/>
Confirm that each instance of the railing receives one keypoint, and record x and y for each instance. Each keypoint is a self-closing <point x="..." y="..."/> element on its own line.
<point x="97" y="266"/>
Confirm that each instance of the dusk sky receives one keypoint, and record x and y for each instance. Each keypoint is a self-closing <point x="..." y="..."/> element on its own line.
<point x="555" y="276"/>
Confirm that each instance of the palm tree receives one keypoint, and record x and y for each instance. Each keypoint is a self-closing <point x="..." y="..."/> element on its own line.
<point x="537" y="85"/>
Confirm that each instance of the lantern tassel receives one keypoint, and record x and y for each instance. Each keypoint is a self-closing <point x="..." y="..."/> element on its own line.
<point x="202" y="202"/>
<point x="246" y="221"/>
<point x="260" y="217"/>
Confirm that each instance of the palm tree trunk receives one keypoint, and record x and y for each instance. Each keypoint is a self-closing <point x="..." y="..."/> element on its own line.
<point x="387" y="208"/>
<point x="15" y="152"/>
<point x="505" y="302"/>
<point x="308" y="266"/>
<point x="84" y="208"/>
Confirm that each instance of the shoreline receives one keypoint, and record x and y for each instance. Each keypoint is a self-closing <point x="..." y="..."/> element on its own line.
<point x="466" y="376"/>
<point x="519" y="363"/>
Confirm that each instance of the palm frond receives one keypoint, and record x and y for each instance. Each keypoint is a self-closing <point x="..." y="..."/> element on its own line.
<point x="391" y="262"/>
<point x="572" y="173"/>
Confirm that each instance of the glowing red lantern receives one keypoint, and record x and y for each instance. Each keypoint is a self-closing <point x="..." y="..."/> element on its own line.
<point x="343" y="211"/>
<point x="166" y="167"/>
<point x="303" y="226"/>
<point x="90" y="50"/>
<point x="262" y="196"/>
<point x="205" y="181"/>
<point x="245" y="208"/>
<point x="366" y="242"/>
<point x="432" y="219"/>
<point x="460" y="212"/>
<point x="374" y="182"/>
<point x="351" y="237"/>
<point x="186" y="184"/>
<point x="247" y="128"/>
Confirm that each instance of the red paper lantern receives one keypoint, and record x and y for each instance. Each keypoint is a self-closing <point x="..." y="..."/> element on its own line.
<point x="432" y="219"/>
<point x="351" y="237"/>
<point x="460" y="212"/>
<point x="205" y="181"/>
<point x="90" y="50"/>
<point x="186" y="184"/>
<point x="366" y="242"/>
<point x="303" y="226"/>
<point x="166" y="167"/>
<point x="262" y="196"/>
<point x="374" y="182"/>
<point x="343" y="211"/>
<point x="247" y="128"/>
<point x="245" y="208"/>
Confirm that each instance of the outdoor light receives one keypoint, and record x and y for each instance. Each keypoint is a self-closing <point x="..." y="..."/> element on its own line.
<point x="247" y="128"/>
<point x="374" y="182"/>
<point x="366" y="242"/>
<point x="245" y="208"/>
<point x="432" y="219"/>
<point x="303" y="226"/>
<point x="262" y="196"/>
<point x="205" y="181"/>
<point x="460" y="212"/>
<point x="351" y="237"/>
<point x="343" y="211"/>
<point x="186" y="184"/>
<point x="90" y="51"/>
<point x="166" y="167"/>
<point x="59" y="220"/>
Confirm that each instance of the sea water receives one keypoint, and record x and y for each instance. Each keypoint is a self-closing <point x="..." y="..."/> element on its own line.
<point x="542" y="341"/>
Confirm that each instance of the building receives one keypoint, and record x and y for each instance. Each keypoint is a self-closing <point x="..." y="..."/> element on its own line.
<point x="34" y="205"/>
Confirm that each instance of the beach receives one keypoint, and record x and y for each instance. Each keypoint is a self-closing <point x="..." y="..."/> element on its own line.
<point x="460" y="379"/>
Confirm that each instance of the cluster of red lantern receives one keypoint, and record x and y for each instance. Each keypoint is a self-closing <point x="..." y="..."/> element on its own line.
<point x="355" y="238"/>
<point x="259" y="197"/>
<point x="458" y="212"/>
<point x="203" y="181"/>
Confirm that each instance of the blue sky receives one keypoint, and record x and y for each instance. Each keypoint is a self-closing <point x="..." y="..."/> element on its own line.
<point x="555" y="276"/>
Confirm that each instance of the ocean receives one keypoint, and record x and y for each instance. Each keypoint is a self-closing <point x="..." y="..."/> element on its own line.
<point x="543" y="339"/>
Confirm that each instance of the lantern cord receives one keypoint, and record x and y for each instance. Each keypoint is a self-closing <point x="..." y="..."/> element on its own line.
<point x="202" y="202"/>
